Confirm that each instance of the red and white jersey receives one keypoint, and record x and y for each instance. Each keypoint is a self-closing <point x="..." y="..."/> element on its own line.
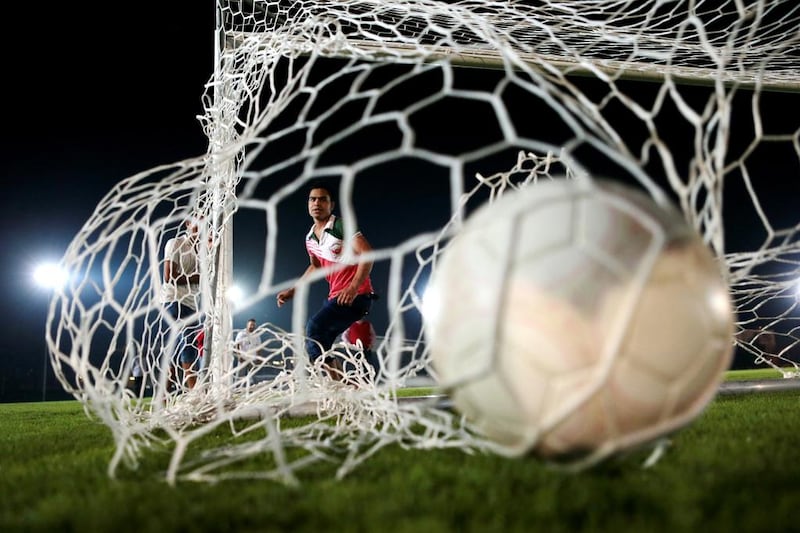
<point x="329" y="250"/>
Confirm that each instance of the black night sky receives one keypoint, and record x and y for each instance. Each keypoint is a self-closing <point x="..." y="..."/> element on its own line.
<point x="93" y="97"/>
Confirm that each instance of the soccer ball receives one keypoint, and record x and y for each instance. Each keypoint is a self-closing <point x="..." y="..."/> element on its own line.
<point x="575" y="319"/>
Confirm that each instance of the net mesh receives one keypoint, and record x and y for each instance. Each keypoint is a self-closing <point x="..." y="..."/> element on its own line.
<point x="382" y="97"/>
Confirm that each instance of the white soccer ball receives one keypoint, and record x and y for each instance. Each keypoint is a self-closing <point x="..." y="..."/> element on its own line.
<point x="576" y="319"/>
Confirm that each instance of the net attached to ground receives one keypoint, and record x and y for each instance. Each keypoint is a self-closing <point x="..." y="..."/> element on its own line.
<point x="421" y="111"/>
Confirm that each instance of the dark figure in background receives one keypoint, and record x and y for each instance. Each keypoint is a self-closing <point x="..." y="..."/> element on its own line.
<point x="181" y="296"/>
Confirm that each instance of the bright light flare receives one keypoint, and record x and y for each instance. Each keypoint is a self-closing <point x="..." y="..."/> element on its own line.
<point x="235" y="295"/>
<point x="50" y="275"/>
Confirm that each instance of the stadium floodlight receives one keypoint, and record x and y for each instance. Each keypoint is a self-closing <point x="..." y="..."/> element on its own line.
<point x="50" y="275"/>
<point x="235" y="295"/>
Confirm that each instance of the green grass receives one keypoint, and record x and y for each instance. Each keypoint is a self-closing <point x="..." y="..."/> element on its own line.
<point x="734" y="469"/>
<point x="754" y="374"/>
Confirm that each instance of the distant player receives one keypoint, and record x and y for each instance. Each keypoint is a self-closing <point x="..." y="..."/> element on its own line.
<point x="181" y="294"/>
<point x="247" y="345"/>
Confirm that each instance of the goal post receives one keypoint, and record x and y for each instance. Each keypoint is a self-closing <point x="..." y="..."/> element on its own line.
<point x="420" y="111"/>
<point x="644" y="42"/>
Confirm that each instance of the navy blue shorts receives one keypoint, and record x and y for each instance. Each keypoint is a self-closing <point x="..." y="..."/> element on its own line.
<point x="331" y="320"/>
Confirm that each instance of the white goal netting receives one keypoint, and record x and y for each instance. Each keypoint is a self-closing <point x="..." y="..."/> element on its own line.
<point x="420" y="111"/>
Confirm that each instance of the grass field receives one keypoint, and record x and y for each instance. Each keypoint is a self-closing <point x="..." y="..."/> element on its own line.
<point x="734" y="469"/>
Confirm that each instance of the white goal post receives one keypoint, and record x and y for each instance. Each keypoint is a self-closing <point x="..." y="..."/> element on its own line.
<point x="440" y="107"/>
<point x="650" y="41"/>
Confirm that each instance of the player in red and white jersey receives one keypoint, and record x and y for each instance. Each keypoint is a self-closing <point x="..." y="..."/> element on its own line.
<point x="350" y="291"/>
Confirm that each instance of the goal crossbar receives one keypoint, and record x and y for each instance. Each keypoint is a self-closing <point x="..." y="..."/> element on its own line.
<point x="575" y="42"/>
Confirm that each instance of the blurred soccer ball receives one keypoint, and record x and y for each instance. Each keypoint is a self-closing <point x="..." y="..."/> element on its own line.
<point x="577" y="319"/>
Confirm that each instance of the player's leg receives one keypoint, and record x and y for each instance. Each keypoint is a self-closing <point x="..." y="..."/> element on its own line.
<point x="182" y="370"/>
<point x="175" y="310"/>
<point x="328" y="323"/>
<point x="190" y="353"/>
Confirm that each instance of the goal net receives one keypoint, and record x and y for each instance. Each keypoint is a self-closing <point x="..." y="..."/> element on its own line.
<point x="419" y="111"/>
